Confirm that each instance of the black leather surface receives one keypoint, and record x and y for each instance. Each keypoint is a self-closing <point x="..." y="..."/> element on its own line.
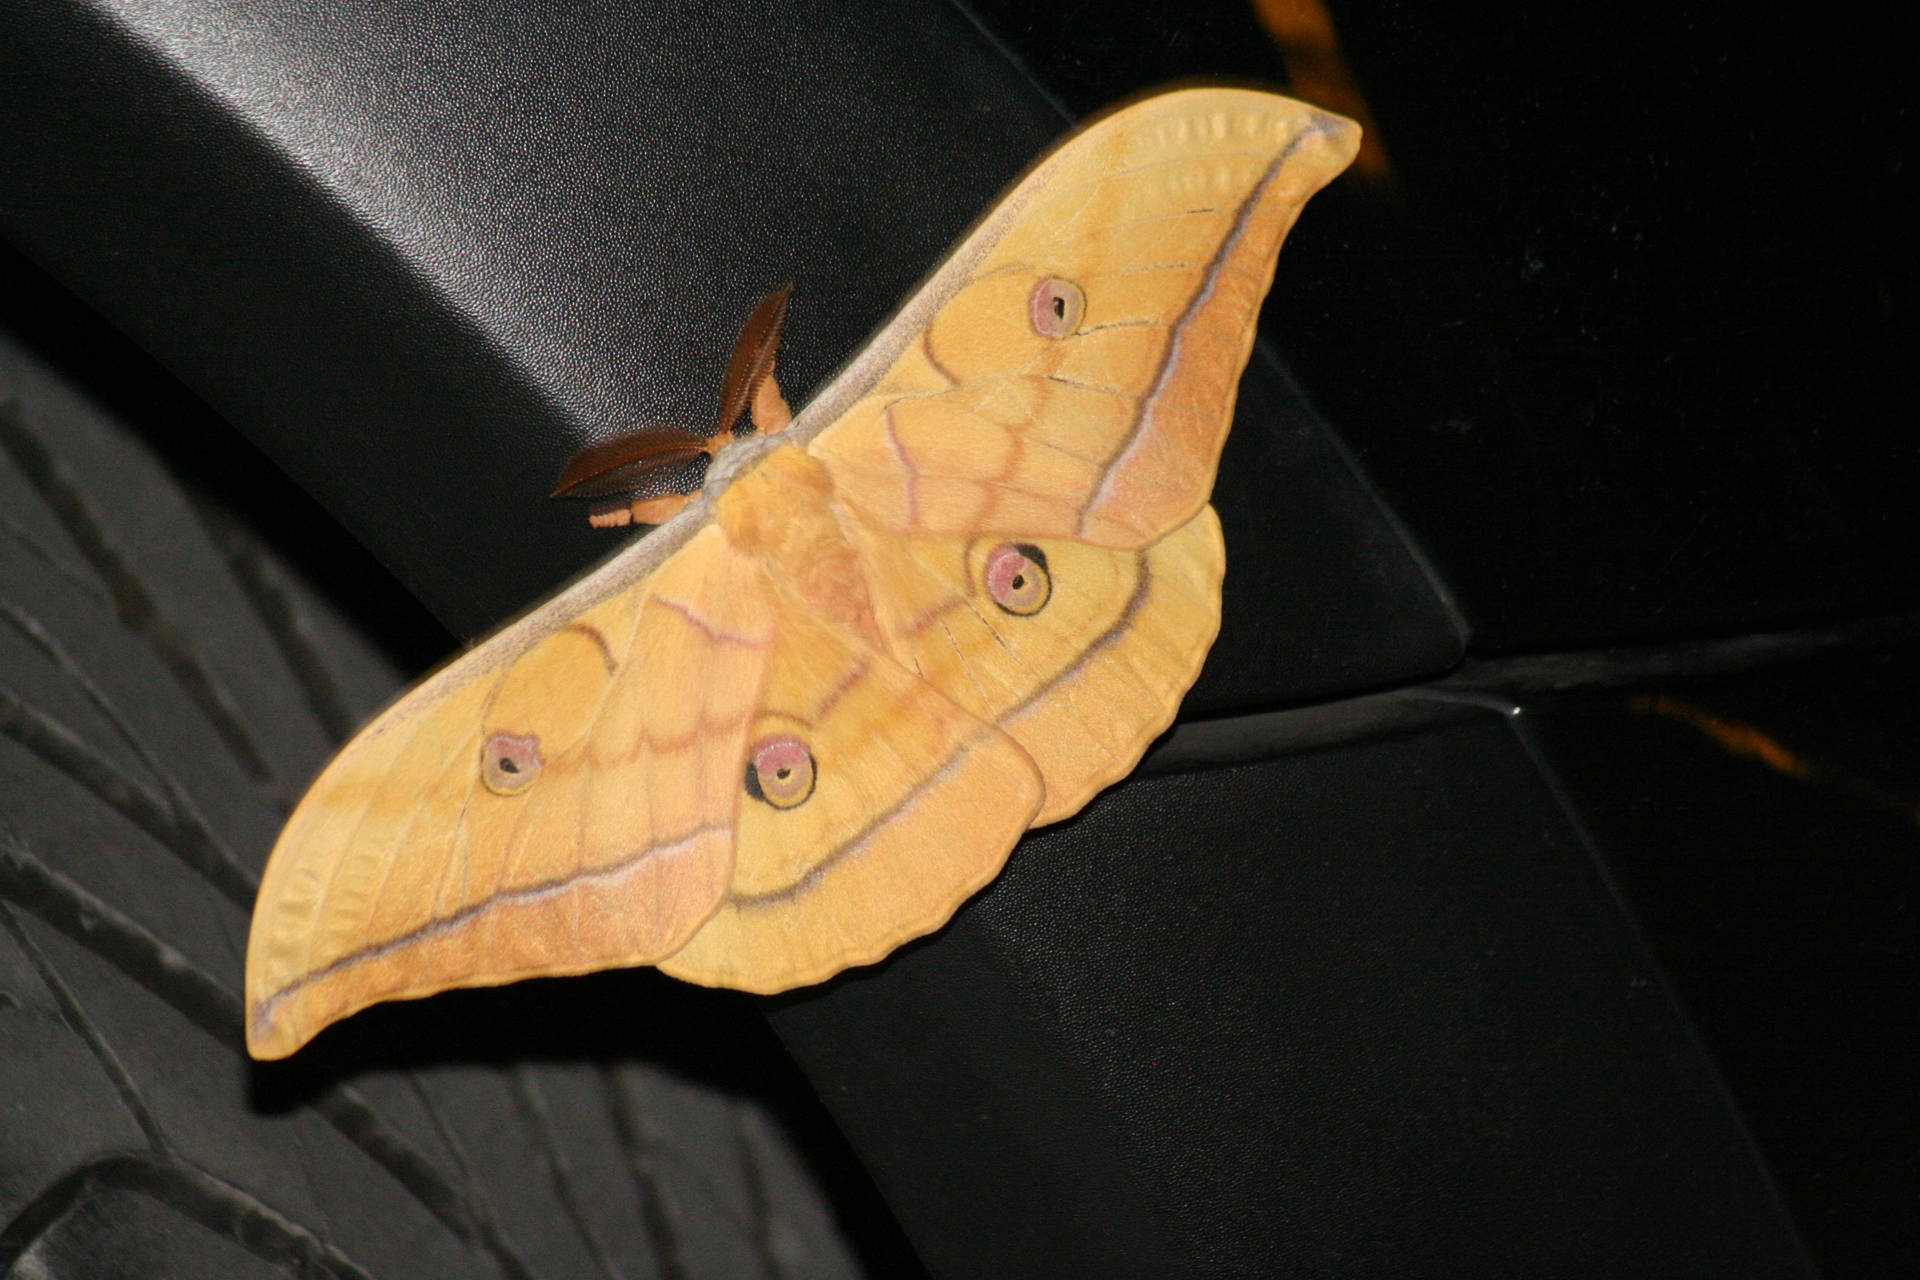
<point x="1365" y="1011"/>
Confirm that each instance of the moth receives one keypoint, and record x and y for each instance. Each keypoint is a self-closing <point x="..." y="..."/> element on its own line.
<point x="804" y="719"/>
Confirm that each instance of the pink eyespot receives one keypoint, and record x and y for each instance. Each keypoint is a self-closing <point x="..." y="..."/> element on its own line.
<point x="1017" y="578"/>
<point x="1055" y="307"/>
<point x="780" y="771"/>
<point x="509" y="762"/>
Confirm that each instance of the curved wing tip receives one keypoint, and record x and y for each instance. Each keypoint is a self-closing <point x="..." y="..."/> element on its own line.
<point x="273" y="1032"/>
<point x="1335" y="132"/>
<point x="270" y="1041"/>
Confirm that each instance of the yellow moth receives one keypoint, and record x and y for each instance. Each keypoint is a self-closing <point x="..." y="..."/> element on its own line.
<point x="802" y="721"/>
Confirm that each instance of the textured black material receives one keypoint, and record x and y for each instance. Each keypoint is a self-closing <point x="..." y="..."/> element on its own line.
<point x="1367" y="1009"/>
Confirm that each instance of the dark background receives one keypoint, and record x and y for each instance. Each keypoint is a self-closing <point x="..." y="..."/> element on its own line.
<point x="1606" y="351"/>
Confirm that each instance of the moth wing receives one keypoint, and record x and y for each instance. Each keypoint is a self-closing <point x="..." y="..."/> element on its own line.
<point x="914" y="806"/>
<point x="1070" y="371"/>
<point x="560" y="800"/>
<point x="1083" y="683"/>
<point x="571" y="795"/>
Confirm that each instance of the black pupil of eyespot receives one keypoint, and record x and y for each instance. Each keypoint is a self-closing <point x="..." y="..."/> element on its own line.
<point x="1059" y="307"/>
<point x="508" y="766"/>
<point x="783" y="774"/>
<point x="1019" y="581"/>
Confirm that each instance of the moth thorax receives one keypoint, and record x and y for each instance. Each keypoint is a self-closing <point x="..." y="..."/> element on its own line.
<point x="781" y="512"/>
<point x="766" y="493"/>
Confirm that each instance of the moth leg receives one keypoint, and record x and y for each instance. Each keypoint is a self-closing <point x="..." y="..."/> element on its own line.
<point x="610" y="513"/>
<point x="613" y="513"/>
<point x="657" y="510"/>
